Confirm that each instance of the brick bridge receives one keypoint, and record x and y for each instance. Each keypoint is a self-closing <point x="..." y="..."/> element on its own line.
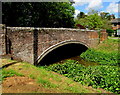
<point x="40" y="45"/>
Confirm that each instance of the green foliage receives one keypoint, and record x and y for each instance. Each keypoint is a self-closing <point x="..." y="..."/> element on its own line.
<point x="9" y="73"/>
<point x="93" y="20"/>
<point x="109" y="46"/>
<point x="32" y="76"/>
<point x="38" y="14"/>
<point x="106" y="53"/>
<point x="52" y="82"/>
<point x="69" y="66"/>
<point x="106" y="15"/>
<point x="101" y="57"/>
<point x="81" y="21"/>
<point x="106" y="77"/>
<point x="110" y="32"/>
<point x="106" y="24"/>
<point x="81" y="15"/>
<point x="46" y="83"/>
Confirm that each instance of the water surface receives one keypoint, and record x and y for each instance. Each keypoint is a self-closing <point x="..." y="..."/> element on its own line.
<point x="80" y="60"/>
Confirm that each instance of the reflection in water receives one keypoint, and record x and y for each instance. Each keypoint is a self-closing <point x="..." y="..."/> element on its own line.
<point x="80" y="60"/>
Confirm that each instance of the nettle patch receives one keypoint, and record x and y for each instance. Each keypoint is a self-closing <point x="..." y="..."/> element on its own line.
<point x="101" y="76"/>
<point x="101" y="57"/>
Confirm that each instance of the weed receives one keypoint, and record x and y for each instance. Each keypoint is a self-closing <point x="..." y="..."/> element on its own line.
<point x="9" y="73"/>
<point x="101" y="57"/>
<point x="46" y="83"/>
<point x="32" y="76"/>
<point x="101" y="76"/>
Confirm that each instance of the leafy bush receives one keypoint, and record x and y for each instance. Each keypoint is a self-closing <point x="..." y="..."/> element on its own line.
<point x="100" y="57"/>
<point x="69" y="68"/>
<point x="110" y="32"/>
<point x="106" y="77"/>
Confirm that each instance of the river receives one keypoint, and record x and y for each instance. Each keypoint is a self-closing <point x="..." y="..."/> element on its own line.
<point x="80" y="60"/>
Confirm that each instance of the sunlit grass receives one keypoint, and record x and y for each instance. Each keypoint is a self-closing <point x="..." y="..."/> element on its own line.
<point x="48" y="79"/>
<point x="109" y="46"/>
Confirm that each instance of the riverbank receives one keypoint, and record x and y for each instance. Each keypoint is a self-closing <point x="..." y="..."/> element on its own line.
<point x="105" y="75"/>
<point x="21" y="77"/>
<point x="106" y="53"/>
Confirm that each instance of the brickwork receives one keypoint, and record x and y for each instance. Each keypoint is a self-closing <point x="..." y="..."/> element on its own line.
<point x="103" y="35"/>
<point x="27" y="43"/>
<point x="2" y="40"/>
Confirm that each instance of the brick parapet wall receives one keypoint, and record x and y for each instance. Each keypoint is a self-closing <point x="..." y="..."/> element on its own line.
<point x="27" y="43"/>
<point x="103" y="35"/>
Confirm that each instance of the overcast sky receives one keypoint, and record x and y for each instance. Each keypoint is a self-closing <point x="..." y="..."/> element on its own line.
<point x="111" y="6"/>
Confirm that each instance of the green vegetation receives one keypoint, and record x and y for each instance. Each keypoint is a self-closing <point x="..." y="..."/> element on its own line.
<point x="94" y="21"/>
<point x="106" y="53"/>
<point x="106" y="77"/>
<point x="81" y="15"/>
<point x="110" y="32"/>
<point x="38" y="14"/>
<point x="109" y="46"/>
<point x="46" y="79"/>
<point x="107" y="16"/>
<point x="46" y="83"/>
<point x="100" y="57"/>
<point x="9" y="73"/>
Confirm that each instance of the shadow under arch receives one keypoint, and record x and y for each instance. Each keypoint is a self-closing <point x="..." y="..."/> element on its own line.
<point x="60" y="51"/>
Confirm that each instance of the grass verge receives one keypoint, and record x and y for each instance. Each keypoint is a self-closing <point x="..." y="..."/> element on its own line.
<point x="9" y="73"/>
<point x="49" y="80"/>
<point x="107" y="53"/>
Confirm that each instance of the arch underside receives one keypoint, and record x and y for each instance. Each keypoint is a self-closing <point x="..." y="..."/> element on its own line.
<point x="60" y="51"/>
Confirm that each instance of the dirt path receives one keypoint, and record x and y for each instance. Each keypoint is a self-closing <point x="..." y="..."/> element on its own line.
<point x="23" y="85"/>
<point x="19" y="84"/>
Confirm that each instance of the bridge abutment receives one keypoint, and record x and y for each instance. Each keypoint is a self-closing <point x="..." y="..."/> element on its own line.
<point x="2" y="39"/>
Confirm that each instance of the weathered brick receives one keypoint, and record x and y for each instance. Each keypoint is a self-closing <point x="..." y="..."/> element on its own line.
<point x="27" y="43"/>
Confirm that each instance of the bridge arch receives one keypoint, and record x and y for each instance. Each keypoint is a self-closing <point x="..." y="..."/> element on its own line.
<point x="62" y="50"/>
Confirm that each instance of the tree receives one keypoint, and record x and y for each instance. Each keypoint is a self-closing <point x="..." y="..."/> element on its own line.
<point x="107" y="16"/>
<point x="94" y="21"/>
<point x="81" y="15"/>
<point x="38" y="14"/>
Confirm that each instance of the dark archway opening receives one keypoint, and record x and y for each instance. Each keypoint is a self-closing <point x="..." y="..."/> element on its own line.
<point x="63" y="52"/>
